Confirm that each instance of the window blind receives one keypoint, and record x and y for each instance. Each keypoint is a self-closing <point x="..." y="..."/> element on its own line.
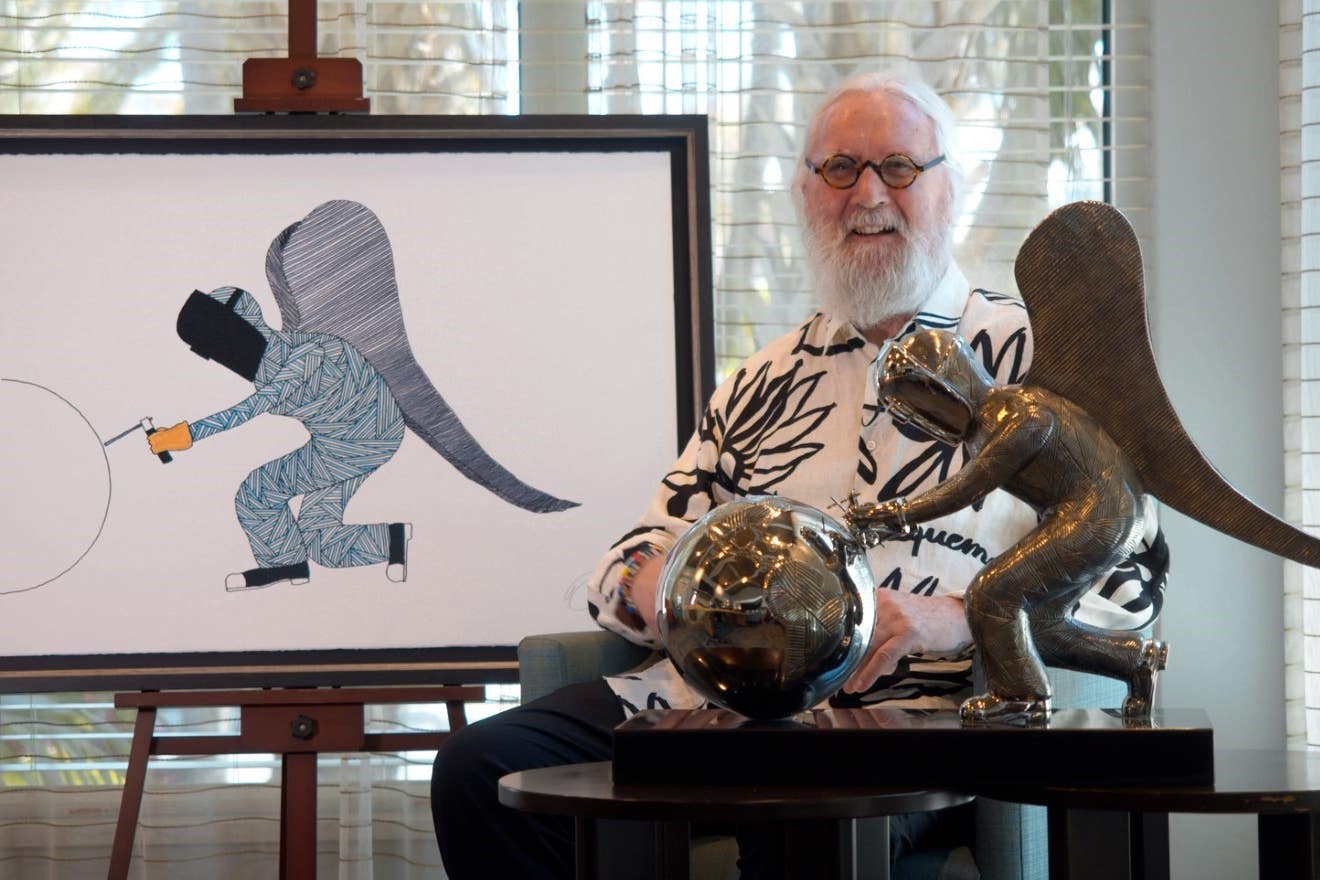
<point x="1044" y="119"/>
<point x="186" y="57"/>
<point x="62" y="763"/>
<point x="1299" y="92"/>
<point x="1051" y="96"/>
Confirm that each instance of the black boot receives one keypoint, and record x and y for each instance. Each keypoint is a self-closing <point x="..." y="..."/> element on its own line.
<point x="400" y="535"/>
<point x="254" y="578"/>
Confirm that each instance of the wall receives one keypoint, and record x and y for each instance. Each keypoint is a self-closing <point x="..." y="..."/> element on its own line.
<point x="1215" y="305"/>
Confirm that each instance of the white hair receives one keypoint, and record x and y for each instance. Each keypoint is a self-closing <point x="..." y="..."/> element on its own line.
<point x="911" y="89"/>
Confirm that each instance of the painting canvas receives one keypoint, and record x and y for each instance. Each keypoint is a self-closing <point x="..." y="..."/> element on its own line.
<point x="402" y="399"/>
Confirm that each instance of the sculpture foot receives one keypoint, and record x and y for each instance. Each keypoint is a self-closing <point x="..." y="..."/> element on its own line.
<point x="992" y="709"/>
<point x="1141" y="686"/>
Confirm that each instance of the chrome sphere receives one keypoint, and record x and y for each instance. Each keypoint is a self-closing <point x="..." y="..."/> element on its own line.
<point x="765" y="606"/>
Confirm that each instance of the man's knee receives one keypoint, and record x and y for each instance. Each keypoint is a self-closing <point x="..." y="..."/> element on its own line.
<point x="570" y="726"/>
<point x="464" y="765"/>
<point x="473" y="758"/>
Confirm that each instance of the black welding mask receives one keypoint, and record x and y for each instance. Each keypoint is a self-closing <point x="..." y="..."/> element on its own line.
<point x="216" y="331"/>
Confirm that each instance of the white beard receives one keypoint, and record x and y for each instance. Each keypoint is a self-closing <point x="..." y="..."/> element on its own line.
<point x="869" y="292"/>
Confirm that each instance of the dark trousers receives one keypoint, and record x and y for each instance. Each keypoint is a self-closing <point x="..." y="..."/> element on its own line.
<point x="480" y="838"/>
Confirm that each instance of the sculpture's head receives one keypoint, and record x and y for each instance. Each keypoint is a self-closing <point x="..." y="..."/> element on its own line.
<point x="932" y="379"/>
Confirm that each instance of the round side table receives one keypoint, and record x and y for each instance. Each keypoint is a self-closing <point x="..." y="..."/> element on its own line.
<point x="819" y="820"/>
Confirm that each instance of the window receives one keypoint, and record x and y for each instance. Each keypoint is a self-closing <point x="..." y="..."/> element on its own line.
<point x="1031" y="83"/>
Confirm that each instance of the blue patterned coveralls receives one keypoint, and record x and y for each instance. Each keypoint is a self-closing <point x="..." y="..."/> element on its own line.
<point x="355" y="426"/>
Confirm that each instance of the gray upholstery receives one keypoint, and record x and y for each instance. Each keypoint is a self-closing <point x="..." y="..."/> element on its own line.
<point x="549" y="662"/>
<point x="1010" y="838"/>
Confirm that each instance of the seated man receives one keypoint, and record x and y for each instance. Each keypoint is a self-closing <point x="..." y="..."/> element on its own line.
<point x="876" y="194"/>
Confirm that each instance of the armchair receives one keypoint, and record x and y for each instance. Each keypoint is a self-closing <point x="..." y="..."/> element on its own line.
<point x="1010" y="838"/>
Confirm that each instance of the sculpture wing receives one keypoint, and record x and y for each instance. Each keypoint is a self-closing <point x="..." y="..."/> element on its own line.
<point x="1081" y="277"/>
<point x="333" y="272"/>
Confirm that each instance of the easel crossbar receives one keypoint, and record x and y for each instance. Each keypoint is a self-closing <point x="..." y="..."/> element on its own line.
<point x="301" y="696"/>
<point x="176" y="746"/>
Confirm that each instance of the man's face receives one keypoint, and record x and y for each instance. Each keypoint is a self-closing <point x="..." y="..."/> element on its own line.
<point x="877" y="252"/>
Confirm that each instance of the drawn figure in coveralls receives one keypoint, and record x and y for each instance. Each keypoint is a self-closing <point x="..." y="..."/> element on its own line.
<point x="341" y="365"/>
<point x="355" y="423"/>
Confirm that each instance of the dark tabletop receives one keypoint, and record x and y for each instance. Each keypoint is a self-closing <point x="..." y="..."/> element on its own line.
<point x="1246" y="781"/>
<point x="588" y="790"/>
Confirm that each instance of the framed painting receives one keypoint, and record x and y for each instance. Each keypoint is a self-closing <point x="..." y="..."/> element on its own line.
<point x="412" y="376"/>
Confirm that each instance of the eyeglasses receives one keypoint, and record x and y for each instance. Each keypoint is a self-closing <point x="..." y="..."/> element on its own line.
<point x="897" y="170"/>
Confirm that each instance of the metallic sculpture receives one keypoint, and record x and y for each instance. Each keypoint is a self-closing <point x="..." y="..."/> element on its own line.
<point x="1079" y="446"/>
<point x="1049" y="453"/>
<point x="766" y="606"/>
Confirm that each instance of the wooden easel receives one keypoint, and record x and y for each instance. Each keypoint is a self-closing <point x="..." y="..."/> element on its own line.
<point x="296" y="724"/>
<point x="302" y="82"/>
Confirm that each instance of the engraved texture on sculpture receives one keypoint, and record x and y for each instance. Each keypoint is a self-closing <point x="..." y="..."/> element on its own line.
<point x="766" y="606"/>
<point x="1042" y="449"/>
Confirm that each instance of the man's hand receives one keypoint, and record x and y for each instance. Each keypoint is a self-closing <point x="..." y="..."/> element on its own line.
<point x="175" y="439"/>
<point x="907" y="623"/>
<point x="642" y="594"/>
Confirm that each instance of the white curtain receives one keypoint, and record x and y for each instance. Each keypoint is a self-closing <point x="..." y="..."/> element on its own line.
<point x="1299" y="110"/>
<point x="62" y="764"/>
<point x="186" y="56"/>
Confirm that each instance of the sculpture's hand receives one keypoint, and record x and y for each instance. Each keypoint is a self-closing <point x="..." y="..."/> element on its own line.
<point x="909" y="623"/>
<point x="873" y="523"/>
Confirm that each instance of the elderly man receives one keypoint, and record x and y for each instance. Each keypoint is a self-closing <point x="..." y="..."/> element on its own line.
<point x="876" y="193"/>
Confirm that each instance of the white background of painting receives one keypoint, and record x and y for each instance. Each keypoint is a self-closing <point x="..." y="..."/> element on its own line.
<point x="538" y="295"/>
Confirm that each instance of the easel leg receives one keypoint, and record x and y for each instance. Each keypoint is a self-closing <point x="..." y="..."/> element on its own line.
<point x="130" y="803"/>
<point x="298" y="816"/>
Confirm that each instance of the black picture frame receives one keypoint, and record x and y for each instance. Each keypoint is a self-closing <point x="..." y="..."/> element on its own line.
<point x="682" y="138"/>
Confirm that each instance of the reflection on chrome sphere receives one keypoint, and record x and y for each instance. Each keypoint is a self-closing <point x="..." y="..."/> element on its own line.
<point x="766" y="605"/>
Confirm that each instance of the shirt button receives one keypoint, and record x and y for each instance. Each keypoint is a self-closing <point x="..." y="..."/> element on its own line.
<point x="870" y="444"/>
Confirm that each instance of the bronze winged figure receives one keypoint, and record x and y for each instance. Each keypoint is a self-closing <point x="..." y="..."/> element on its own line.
<point x="1081" y="440"/>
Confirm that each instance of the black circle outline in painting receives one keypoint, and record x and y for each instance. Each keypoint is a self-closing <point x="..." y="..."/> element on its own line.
<point x="109" y="483"/>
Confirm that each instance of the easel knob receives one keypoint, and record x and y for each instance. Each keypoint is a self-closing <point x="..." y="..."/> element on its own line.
<point x="302" y="82"/>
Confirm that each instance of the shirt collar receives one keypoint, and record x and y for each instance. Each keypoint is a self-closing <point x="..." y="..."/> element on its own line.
<point x="942" y="309"/>
<point x="948" y="301"/>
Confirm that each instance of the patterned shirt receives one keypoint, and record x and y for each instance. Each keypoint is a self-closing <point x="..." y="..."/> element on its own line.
<point x="800" y="419"/>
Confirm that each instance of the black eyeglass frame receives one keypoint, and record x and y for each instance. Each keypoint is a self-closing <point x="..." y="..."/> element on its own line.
<point x="860" y="167"/>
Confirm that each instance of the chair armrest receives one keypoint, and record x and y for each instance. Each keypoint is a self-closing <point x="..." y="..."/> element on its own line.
<point x="550" y="661"/>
